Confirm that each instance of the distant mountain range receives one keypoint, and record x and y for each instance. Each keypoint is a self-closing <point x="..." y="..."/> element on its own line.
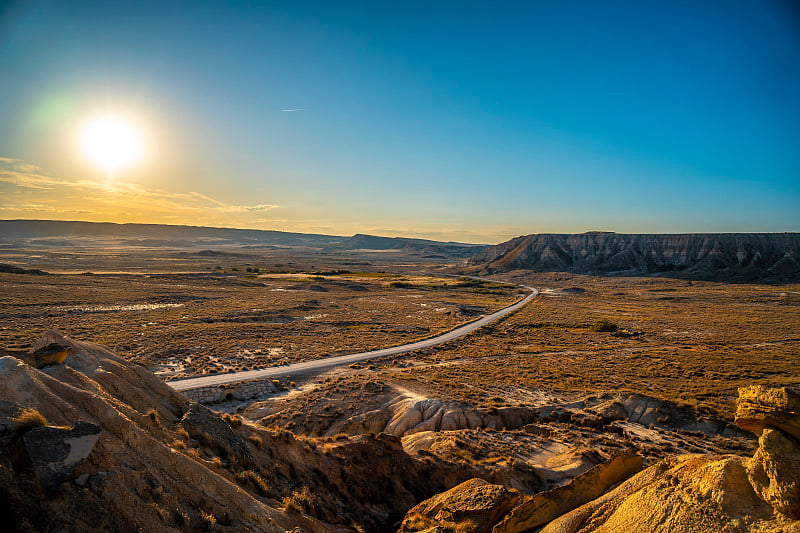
<point x="69" y="233"/>
<point x="711" y="256"/>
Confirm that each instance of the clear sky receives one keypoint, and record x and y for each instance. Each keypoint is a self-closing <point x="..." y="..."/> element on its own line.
<point x="470" y="121"/>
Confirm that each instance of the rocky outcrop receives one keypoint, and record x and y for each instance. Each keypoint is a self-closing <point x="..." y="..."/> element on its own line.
<point x="131" y="478"/>
<point x="536" y="511"/>
<point x="774" y="472"/>
<point x="471" y="507"/>
<point x="50" y="354"/>
<point x="55" y="453"/>
<point x="726" y="493"/>
<point x="410" y="413"/>
<point x="689" y="493"/>
<point x="725" y="256"/>
<point x="400" y="412"/>
<point x="477" y="506"/>
<point x="205" y="425"/>
<point x="759" y="408"/>
<point x="774" y="415"/>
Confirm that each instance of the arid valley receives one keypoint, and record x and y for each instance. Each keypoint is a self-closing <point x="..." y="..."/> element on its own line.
<point x="399" y="267"/>
<point x="549" y="407"/>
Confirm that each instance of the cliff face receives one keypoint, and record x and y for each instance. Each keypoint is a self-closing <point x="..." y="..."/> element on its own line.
<point x="714" y="256"/>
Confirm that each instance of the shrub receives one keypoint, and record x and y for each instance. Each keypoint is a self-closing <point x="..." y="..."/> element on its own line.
<point x="299" y="501"/>
<point x="603" y="326"/>
<point x="233" y="421"/>
<point x="208" y="520"/>
<point x="248" y="476"/>
<point x="153" y="415"/>
<point x="28" y="419"/>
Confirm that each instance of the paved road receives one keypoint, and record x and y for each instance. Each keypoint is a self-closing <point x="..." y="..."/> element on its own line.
<point x="330" y="362"/>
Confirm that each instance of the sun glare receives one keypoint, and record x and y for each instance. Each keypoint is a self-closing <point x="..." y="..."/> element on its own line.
<point x="111" y="143"/>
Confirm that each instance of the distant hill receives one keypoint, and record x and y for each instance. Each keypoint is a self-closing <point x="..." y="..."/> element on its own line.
<point x="66" y="233"/>
<point x="711" y="256"/>
<point x="54" y="232"/>
<point x="421" y="246"/>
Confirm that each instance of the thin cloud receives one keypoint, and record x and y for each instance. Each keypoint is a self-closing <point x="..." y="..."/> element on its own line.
<point x="26" y="192"/>
<point x="293" y="109"/>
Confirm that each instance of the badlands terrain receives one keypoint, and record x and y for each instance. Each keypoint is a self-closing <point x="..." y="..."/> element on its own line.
<point x="608" y="403"/>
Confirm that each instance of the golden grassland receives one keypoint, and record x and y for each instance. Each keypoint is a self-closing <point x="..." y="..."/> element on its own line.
<point x="183" y="324"/>
<point x="690" y="342"/>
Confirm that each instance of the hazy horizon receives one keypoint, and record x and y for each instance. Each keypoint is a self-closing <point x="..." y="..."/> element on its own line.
<point x="469" y="123"/>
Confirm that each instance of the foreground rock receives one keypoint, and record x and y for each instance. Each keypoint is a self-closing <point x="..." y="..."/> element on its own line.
<point x="51" y="354"/>
<point x="471" y="507"/>
<point x="691" y="493"/>
<point x="201" y="423"/>
<point x="56" y="452"/>
<point x="479" y="507"/>
<point x="774" y="415"/>
<point x="541" y="508"/>
<point x="759" y="408"/>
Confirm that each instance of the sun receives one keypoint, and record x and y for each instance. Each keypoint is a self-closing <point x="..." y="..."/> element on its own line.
<point x="112" y="143"/>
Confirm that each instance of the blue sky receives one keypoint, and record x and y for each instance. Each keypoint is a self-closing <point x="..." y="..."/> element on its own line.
<point x="474" y="121"/>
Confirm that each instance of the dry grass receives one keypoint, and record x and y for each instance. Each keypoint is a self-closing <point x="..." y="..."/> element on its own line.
<point x="27" y="419"/>
<point x="300" y="501"/>
<point x="181" y="325"/>
<point x="152" y="414"/>
<point x="699" y="342"/>
<point x="208" y="520"/>
<point x="250" y="478"/>
<point x="234" y="421"/>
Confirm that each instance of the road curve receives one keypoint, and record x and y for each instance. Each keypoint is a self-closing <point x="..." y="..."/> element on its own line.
<point x="330" y="362"/>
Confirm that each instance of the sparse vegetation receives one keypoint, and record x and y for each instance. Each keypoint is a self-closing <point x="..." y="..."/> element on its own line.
<point x="255" y="321"/>
<point x="603" y="326"/>
<point x="152" y="414"/>
<point x="250" y="478"/>
<point x="208" y="520"/>
<point x="27" y="419"/>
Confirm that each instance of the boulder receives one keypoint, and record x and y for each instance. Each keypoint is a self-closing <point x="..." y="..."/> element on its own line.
<point x="474" y="506"/>
<point x="774" y="472"/>
<point x="56" y="452"/>
<point x="759" y="408"/>
<point x="52" y="354"/>
<point x="206" y="426"/>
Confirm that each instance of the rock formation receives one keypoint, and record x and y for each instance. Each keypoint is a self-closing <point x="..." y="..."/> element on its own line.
<point x="471" y="507"/>
<point x="55" y="453"/>
<point x="51" y="354"/>
<point x="680" y="494"/>
<point x="710" y="493"/>
<point x="727" y="256"/>
<point x="536" y="511"/>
